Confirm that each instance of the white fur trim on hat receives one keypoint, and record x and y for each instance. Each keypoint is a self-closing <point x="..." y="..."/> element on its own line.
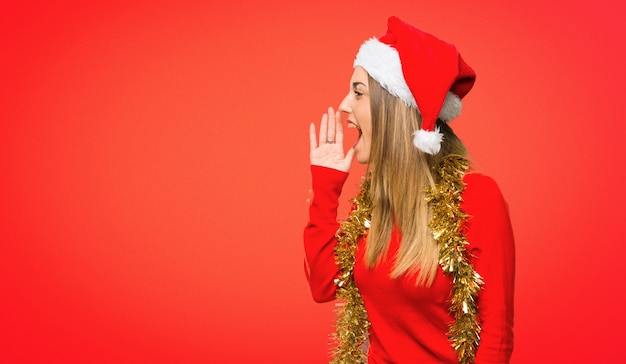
<point x="428" y="141"/>
<point x="382" y="62"/>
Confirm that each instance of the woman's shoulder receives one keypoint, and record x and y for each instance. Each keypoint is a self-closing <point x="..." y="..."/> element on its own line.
<point x="481" y="190"/>
<point x="479" y="180"/>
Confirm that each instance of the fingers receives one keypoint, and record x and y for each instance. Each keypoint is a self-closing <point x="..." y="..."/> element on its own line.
<point x="323" y="129"/>
<point x="338" y="128"/>
<point x="312" y="137"/>
<point x="349" y="156"/>
<point x="332" y="122"/>
<point x="331" y="130"/>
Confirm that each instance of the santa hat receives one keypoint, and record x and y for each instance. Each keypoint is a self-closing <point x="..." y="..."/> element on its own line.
<point x="422" y="70"/>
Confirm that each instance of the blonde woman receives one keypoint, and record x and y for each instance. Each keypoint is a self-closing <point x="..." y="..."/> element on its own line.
<point x="424" y="265"/>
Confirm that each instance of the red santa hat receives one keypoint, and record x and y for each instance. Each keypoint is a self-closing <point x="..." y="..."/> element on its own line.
<point x="422" y="70"/>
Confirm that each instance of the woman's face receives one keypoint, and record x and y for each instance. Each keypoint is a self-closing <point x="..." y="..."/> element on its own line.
<point x="357" y="107"/>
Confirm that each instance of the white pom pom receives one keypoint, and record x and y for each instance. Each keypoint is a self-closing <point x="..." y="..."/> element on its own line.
<point x="428" y="141"/>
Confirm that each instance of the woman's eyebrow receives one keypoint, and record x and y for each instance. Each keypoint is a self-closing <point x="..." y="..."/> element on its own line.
<point x="355" y="84"/>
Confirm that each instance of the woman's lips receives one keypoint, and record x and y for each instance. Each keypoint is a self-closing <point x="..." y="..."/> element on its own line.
<point x="352" y="125"/>
<point x="359" y="130"/>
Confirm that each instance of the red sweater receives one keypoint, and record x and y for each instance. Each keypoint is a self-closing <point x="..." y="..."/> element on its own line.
<point x="409" y="324"/>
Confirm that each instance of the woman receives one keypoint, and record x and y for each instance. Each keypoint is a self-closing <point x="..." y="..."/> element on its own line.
<point x="425" y="261"/>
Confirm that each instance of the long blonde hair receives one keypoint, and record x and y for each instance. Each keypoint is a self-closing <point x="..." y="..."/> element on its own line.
<point x="400" y="175"/>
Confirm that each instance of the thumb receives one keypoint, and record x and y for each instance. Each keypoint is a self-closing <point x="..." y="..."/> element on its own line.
<point x="350" y="155"/>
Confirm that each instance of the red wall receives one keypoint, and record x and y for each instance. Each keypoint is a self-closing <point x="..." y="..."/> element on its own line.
<point x="154" y="171"/>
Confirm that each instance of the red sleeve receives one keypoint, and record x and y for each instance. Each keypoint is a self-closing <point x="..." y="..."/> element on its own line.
<point x="490" y="236"/>
<point x="319" y="233"/>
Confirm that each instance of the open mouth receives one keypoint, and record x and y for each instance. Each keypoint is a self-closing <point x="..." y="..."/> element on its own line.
<point x="359" y="133"/>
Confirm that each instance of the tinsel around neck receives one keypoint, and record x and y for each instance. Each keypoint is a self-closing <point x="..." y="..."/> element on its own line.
<point x="352" y="326"/>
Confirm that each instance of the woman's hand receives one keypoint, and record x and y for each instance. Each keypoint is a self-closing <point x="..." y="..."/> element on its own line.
<point x="328" y="152"/>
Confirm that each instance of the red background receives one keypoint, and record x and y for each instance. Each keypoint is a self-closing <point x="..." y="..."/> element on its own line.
<point x="154" y="171"/>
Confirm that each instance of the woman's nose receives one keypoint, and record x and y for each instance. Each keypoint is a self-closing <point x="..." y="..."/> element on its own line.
<point x="343" y="106"/>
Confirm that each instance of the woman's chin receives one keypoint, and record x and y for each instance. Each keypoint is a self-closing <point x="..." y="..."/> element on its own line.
<point x="361" y="158"/>
<point x="361" y="152"/>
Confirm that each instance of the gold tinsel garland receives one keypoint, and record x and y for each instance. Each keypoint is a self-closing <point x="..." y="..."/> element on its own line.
<point x="447" y="224"/>
<point x="447" y="218"/>
<point x="352" y="324"/>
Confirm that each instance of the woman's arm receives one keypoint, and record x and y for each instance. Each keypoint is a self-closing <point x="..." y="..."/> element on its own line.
<point x="329" y="167"/>
<point x="319" y="233"/>
<point x="492" y="247"/>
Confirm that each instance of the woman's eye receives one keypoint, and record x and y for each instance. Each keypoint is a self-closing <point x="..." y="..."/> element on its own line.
<point x="357" y="93"/>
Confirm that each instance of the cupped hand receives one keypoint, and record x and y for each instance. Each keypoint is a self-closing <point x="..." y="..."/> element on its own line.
<point x="327" y="150"/>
